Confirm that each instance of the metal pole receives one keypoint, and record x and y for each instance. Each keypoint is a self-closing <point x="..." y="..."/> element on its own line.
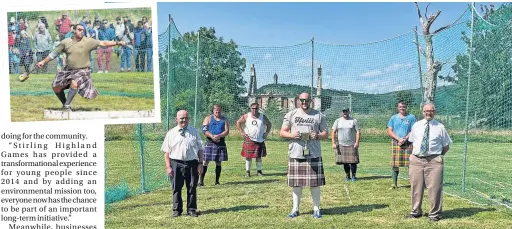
<point x="467" y="101"/>
<point x="141" y="150"/>
<point x="350" y="102"/>
<point x="312" y="63"/>
<point x="419" y="60"/>
<point x="168" y="92"/>
<point x="197" y="77"/>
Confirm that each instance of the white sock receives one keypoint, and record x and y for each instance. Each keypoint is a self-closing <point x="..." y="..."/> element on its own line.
<point x="259" y="164"/>
<point x="248" y="162"/>
<point x="296" y="195"/>
<point x="315" y="195"/>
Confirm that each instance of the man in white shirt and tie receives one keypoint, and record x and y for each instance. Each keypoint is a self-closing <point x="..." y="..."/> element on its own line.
<point x="183" y="150"/>
<point x="430" y="143"/>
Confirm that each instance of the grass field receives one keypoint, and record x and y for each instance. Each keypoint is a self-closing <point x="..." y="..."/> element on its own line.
<point x="118" y="92"/>
<point x="260" y="202"/>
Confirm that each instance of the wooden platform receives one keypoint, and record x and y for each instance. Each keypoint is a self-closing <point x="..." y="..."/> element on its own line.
<point x="88" y="115"/>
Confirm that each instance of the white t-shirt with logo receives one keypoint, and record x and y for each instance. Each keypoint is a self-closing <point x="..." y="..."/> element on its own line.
<point x="254" y="127"/>
<point x="305" y="123"/>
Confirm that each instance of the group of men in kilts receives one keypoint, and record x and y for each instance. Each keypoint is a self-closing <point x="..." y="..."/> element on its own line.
<point x="76" y="76"/>
<point x="304" y="127"/>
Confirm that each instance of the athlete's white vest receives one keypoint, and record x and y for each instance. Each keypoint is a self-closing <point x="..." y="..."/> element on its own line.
<point x="254" y="127"/>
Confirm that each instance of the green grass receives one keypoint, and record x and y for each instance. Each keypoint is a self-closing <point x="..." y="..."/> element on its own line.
<point x="118" y="92"/>
<point x="259" y="202"/>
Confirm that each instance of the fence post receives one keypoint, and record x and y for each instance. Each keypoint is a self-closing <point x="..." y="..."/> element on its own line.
<point x="467" y="100"/>
<point x="312" y="63"/>
<point x="140" y="136"/>
<point x="197" y="76"/>
<point x="168" y="75"/>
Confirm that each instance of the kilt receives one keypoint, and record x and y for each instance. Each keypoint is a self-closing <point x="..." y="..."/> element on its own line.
<point x="305" y="172"/>
<point x="252" y="149"/>
<point x="347" y="154"/>
<point x="215" y="151"/>
<point x="83" y="79"/>
<point x="400" y="154"/>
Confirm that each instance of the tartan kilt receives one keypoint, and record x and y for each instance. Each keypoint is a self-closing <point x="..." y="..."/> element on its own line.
<point x="83" y="79"/>
<point x="252" y="149"/>
<point x="305" y="172"/>
<point x="347" y="154"/>
<point x="215" y="151"/>
<point x="400" y="154"/>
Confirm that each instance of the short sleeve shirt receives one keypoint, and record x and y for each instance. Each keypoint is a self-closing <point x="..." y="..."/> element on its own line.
<point x="305" y="123"/>
<point x="184" y="148"/>
<point x="346" y="130"/>
<point x="401" y="125"/>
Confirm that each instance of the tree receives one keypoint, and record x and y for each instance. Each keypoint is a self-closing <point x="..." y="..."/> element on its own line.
<point x="491" y="70"/>
<point x="405" y="96"/>
<point x="219" y="72"/>
<point x="433" y="66"/>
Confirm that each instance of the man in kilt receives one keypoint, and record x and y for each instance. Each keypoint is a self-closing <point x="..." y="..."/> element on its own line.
<point x="305" y="127"/>
<point x="76" y="76"/>
<point x="215" y="128"/>
<point x="345" y="140"/>
<point x="399" y="128"/>
<point x="254" y="127"/>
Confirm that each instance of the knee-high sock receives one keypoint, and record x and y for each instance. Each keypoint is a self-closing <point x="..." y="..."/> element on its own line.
<point x="205" y="168"/>
<point x="218" y="169"/>
<point x="71" y="94"/>
<point x="347" y="169"/>
<point x="395" y="176"/>
<point x="315" y="195"/>
<point x="259" y="165"/>
<point x="61" y="96"/>
<point x="248" y="162"/>
<point x="353" y="168"/>
<point x="296" y="195"/>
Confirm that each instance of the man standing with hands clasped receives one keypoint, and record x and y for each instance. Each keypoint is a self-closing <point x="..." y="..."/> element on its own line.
<point x="430" y="143"/>
<point x="183" y="154"/>
<point x="305" y="127"/>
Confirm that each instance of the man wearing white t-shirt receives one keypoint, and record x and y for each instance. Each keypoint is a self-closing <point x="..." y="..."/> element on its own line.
<point x="254" y="127"/>
<point x="430" y="143"/>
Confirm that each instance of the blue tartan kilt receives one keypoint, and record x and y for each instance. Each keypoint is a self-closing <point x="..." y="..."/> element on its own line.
<point x="215" y="151"/>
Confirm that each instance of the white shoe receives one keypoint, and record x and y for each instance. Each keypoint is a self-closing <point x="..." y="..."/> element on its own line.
<point x="106" y="71"/>
<point x="100" y="71"/>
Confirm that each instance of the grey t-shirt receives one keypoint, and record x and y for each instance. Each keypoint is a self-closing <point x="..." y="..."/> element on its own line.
<point x="347" y="129"/>
<point x="298" y="120"/>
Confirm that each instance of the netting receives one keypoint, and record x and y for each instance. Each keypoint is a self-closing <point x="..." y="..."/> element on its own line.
<point x="203" y="69"/>
<point x="34" y="35"/>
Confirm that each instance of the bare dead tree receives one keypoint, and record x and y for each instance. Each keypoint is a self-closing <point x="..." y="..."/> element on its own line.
<point x="429" y="79"/>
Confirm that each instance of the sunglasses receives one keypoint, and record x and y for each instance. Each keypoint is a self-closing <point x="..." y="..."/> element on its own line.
<point x="80" y="30"/>
<point x="304" y="100"/>
<point x="428" y="111"/>
<point x="184" y="118"/>
<point x="252" y="108"/>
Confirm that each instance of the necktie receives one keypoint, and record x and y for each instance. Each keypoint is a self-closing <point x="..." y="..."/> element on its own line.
<point x="183" y="131"/>
<point x="424" y="141"/>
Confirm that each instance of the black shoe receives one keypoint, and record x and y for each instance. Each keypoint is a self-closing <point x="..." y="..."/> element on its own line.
<point x="260" y="173"/>
<point x="248" y="174"/>
<point x="435" y="219"/>
<point x="192" y="213"/>
<point x="411" y="216"/>
<point x="217" y="183"/>
<point x="176" y="214"/>
<point x="200" y="184"/>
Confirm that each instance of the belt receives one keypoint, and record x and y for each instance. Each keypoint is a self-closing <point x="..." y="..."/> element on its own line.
<point x="435" y="155"/>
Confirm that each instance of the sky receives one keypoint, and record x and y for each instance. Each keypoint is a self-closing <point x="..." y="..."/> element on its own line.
<point x="361" y="46"/>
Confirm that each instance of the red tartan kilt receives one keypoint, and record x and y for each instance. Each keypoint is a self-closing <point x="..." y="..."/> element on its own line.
<point x="252" y="149"/>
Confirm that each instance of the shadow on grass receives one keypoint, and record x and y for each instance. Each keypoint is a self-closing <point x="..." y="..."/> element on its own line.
<point x="350" y="209"/>
<point x="275" y="174"/>
<point x="232" y="209"/>
<point x="75" y="109"/>
<point x="374" y="177"/>
<point x="167" y="203"/>
<point x="464" y="212"/>
<point x="252" y="182"/>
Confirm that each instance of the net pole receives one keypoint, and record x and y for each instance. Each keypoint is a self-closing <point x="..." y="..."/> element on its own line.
<point x="312" y="63"/>
<point x="197" y="77"/>
<point x="168" y="75"/>
<point x="464" y="164"/>
<point x="141" y="156"/>
<point x="419" y="59"/>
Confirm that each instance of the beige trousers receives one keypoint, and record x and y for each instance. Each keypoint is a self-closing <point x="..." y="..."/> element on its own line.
<point x="426" y="172"/>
